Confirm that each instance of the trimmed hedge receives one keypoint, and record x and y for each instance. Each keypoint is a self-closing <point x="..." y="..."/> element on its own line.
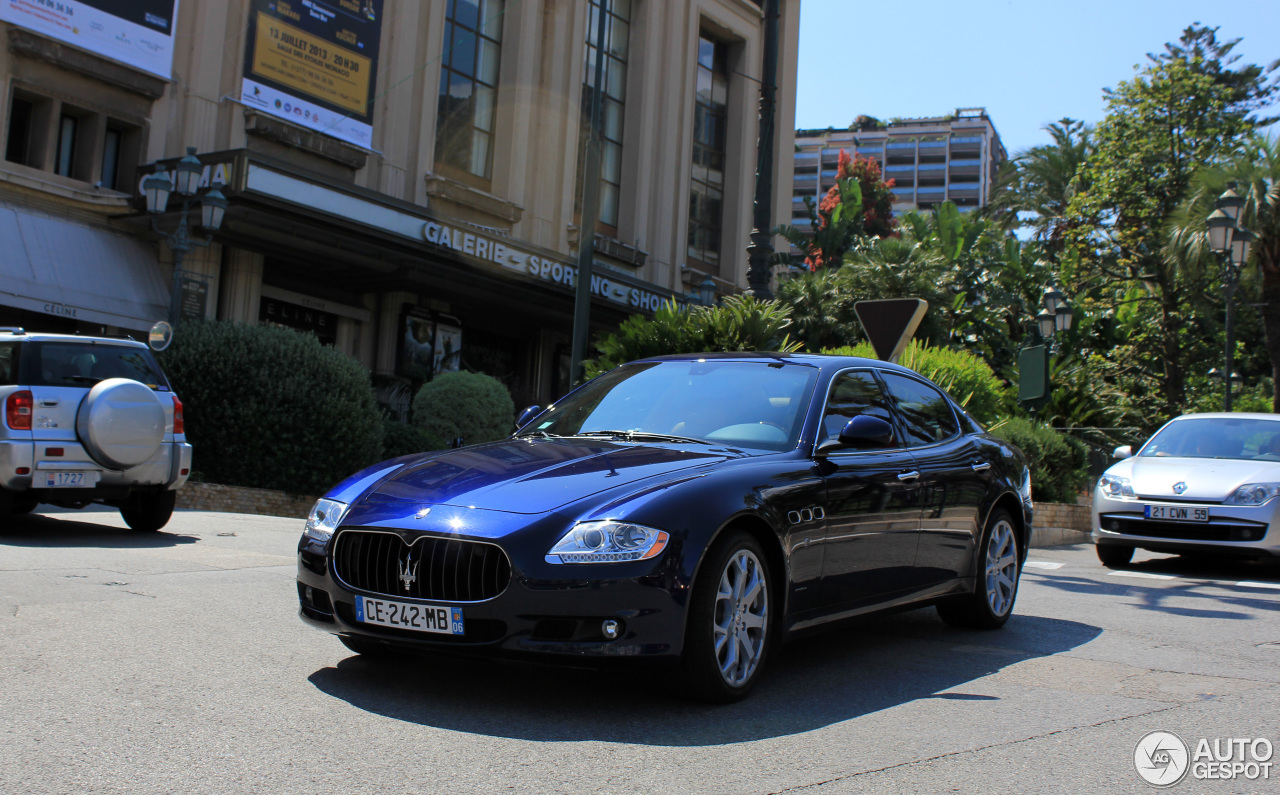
<point x="1058" y="463"/>
<point x="963" y="375"/>
<point x="272" y="408"/>
<point x="475" y="406"/>
<point x="399" y="439"/>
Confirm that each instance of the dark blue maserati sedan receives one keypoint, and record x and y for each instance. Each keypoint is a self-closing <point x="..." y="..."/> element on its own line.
<point x="691" y="510"/>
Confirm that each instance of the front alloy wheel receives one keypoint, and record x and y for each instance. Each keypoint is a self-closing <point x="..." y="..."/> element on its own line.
<point x="727" y="637"/>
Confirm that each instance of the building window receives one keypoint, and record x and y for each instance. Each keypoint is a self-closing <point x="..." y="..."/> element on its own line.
<point x="110" y="157"/>
<point x="19" y="138"/>
<point x="66" y="159"/>
<point x="617" y="34"/>
<point x="706" y="191"/>
<point x="469" y="89"/>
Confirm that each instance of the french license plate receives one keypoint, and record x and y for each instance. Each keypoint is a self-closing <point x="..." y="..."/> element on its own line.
<point x="1175" y="513"/>
<point x="401" y="615"/>
<point x="71" y="480"/>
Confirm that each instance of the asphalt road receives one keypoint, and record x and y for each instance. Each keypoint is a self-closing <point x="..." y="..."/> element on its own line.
<point x="175" y="663"/>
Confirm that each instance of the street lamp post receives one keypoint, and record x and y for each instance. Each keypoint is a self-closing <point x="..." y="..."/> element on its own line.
<point x="213" y="205"/>
<point x="1056" y="315"/>
<point x="1232" y="242"/>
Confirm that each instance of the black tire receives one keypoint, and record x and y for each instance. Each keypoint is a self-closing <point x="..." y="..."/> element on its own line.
<point x="706" y="672"/>
<point x="1114" y="555"/>
<point x="999" y="555"/>
<point x="147" y="512"/>
<point x="368" y="648"/>
<point x="23" y="505"/>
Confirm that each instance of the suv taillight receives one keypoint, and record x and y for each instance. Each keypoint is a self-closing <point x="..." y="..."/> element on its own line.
<point x="17" y="410"/>
<point x="178" y="425"/>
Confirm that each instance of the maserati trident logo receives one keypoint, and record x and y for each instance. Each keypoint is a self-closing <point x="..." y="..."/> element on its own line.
<point x="422" y="514"/>
<point x="408" y="569"/>
<point x="1179" y="487"/>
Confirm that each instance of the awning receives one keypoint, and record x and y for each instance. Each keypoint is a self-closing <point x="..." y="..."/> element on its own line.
<point x="73" y="270"/>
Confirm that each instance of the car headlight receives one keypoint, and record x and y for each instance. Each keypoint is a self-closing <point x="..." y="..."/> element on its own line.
<point x="1116" y="487"/>
<point x="1253" y="494"/>
<point x="1025" y="488"/>
<point x="607" y="542"/>
<point x="323" y="519"/>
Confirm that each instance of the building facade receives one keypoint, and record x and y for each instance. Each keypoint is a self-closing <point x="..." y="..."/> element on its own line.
<point x="403" y="177"/>
<point x="931" y="160"/>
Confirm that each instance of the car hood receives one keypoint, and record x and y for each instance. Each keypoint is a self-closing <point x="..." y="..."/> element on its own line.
<point x="532" y="475"/>
<point x="1205" y="478"/>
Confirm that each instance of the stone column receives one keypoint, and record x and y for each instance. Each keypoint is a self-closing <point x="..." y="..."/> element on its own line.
<point x="240" y="298"/>
<point x="389" y="329"/>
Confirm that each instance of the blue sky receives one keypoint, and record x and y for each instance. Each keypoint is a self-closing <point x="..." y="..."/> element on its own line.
<point x="1028" y="62"/>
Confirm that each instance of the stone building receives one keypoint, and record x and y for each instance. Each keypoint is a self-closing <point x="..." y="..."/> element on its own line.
<point x="402" y="177"/>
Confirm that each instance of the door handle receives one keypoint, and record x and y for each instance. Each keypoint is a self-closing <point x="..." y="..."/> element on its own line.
<point x="983" y="467"/>
<point x="905" y="476"/>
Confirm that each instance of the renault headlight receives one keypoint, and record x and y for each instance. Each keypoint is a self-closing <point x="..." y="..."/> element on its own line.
<point x="323" y="519"/>
<point x="607" y="542"/>
<point x="1253" y="494"/>
<point x="1116" y="487"/>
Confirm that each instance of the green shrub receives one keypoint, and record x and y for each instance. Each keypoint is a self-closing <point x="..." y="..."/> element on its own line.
<point x="475" y="406"/>
<point x="399" y="439"/>
<point x="739" y="323"/>
<point x="1058" y="463"/>
<point x="963" y="375"/>
<point x="272" y="408"/>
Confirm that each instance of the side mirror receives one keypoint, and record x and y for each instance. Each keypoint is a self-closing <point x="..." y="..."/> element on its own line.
<point x="861" y="433"/>
<point x="527" y="415"/>
<point x="1123" y="451"/>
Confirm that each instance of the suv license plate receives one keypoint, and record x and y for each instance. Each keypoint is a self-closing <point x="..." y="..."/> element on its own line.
<point x="71" y="480"/>
<point x="1175" y="513"/>
<point x="420" y="618"/>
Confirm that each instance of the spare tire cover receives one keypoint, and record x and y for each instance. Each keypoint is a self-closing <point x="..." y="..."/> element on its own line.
<point x="121" y="423"/>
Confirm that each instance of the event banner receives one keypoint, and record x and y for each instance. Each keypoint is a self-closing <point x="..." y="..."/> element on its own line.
<point x="313" y="62"/>
<point x="138" y="33"/>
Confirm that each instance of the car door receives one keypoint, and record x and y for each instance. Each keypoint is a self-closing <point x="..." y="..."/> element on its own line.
<point x="872" y="504"/>
<point x="954" y="477"/>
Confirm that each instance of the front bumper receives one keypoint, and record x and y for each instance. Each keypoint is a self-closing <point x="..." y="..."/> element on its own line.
<point x="1242" y="530"/>
<point x="546" y="611"/>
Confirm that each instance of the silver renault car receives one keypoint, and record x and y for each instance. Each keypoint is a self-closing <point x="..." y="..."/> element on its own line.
<point x="88" y="420"/>
<point x="1205" y="483"/>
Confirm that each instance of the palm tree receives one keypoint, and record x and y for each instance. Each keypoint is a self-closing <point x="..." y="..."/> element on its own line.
<point x="1255" y="173"/>
<point x="1037" y="185"/>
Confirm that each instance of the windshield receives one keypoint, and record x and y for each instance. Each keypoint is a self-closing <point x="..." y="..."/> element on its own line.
<point x="80" y="364"/>
<point x="1249" y="439"/>
<point x="744" y="404"/>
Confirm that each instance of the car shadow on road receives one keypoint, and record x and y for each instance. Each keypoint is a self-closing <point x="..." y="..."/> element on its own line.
<point x="61" y="530"/>
<point x="812" y="683"/>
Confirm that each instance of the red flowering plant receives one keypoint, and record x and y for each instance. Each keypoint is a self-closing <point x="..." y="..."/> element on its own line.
<point x="859" y="204"/>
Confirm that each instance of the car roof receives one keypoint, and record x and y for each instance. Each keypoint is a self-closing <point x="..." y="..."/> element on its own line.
<point x="1228" y="415"/>
<point x="822" y="361"/>
<point x="35" y="336"/>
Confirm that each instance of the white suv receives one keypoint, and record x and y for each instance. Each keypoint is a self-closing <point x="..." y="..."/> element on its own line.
<point x="88" y="419"/>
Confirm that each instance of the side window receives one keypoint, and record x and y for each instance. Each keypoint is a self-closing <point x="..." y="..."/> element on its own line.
<point x="853" y="394"/>
<point x="8" y="365"/>
<point x="927" y="412"/>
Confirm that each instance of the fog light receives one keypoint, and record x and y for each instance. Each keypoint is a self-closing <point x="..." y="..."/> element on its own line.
<point x="611" y="628"/>
<point x="1115" y="526"/>
<point x="310" y="596"/>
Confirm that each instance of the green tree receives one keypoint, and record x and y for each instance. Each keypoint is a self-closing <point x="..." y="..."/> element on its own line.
<point x="860" y="204"/>
<point x="1035" y="188"/>
<point x="1255" y="174"/>
<point x="1187" y="108"/>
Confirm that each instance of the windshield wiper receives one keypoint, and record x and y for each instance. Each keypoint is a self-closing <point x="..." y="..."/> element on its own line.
<point x="632" y="435"/>
<point x="537" y="435"/>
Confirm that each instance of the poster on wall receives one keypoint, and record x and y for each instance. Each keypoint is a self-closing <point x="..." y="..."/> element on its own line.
<point x="313" y="62"/>
<point x="429" y="345"/>
<point x="138" y="33"/>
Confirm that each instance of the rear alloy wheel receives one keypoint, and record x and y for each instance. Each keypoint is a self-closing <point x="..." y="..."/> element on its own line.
<point x="991" y="603"/>
<point x="147" y="512"/>
<point x="1114" y="555"/>
<point x="728" y="635"/>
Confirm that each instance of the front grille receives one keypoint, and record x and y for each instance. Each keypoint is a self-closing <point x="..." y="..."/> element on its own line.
<point x="437" y="569"/>
<point x="1184" y="531"/>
